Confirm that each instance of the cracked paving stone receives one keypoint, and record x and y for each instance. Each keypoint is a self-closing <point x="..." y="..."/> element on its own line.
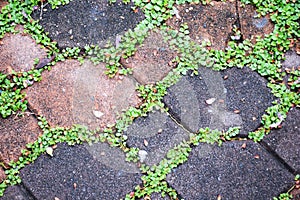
<point x="15" y="133"/>
<point x="230" y="171"/>
<point x="213" y="23"/>
<point x="18" y="51"/>
<point x="72" y="93"/>
<point x="238" y="101"/>
<point x="152" y="61"/>
<point x="251" y="25"/>
<point x="285" y="141"/>
<point x="73" y="173"/>
<point x="156" y="134"/>
<point x="88" y="22"/>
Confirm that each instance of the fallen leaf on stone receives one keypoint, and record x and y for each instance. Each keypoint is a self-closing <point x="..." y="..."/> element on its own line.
<point x="236" y="111"/>
<point x="98" y="114"/>
<point x="210" y="101"/>
<point x="219" y="197"/>
<point x="244" y="146"/>
<point x="49" y="151"/>
<point x="55" y="198"/>
<point x="75" y="185"/>
<point x="256" y="156"/>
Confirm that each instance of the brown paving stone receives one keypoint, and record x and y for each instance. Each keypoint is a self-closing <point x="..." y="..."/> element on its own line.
<point x="2" y="4"/>
<point x="18" y="51"/>
<point x="152" y="61"/>
<point x="213" y="23"/>
<point x="72" y="93"/>
<point x="251" y="26"/>
<point x="15" y="133"/>
<point x="2" y="174"/>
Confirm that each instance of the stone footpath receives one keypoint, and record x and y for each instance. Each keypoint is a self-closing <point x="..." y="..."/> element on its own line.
<point x="76" y="94"/>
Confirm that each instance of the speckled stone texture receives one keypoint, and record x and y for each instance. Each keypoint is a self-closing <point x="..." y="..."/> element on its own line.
<point x="17" y="192"/>
<point x="230" y="171"/>
<point x="73" y="173"/>
<point x="156" y="134"/>
<point x="286" y="140"/>
<point x="88" y="22"/>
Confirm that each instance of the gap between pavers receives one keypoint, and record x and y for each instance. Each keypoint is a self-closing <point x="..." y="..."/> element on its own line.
<point x="230" y="171"/>
<point x="235" y="100"/>
<point x="74" y="173"/>
<point x="93" y="22"/>
<point x="72" y="93"/>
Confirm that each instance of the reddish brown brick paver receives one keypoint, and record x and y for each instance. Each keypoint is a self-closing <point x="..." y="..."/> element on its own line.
<point x="72" y="93"/>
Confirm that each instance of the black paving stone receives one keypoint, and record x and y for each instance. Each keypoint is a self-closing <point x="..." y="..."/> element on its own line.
<point x="242" y="90"/>
<point x="247" y="92"/>
<point x="16" y="192"/>
<point x="159" y="132"/>
<point x="87" y="22"/>
<point x="231" y="172"/>
<point x="286" y="141"/>
<point x="73" y="173"/>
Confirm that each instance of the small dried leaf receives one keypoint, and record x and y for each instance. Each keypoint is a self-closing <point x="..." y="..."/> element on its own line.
<point x="219" y="197"/>
<point x="49" y="151"/>
<point x="98" y="114"/>
<point x="210" y="101"/>
<point x="236" y="111"/>
<point x="244" y="146"/>
<point x="256" y="156"/>
<point x="146" y="143"/>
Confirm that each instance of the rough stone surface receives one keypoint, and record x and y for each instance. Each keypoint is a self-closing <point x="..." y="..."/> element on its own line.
<point x="152" y="61"/>
<point x="15" y="133"/>
<point x="287" y="136"/>
<point x="16" y="193"/>
<point x="237" y="100"/>
<point x="87" y="22"/>
<point x="2" y="174"/>
<point x="73" y="173"/>
<point x="213" y="23"/>
<point x="18" y="52"/>
<point x="73" y="93"/>
<point x="247" y="94"/>
<point x="230" y="171"/>
<point x="292" y="60"/>
<point x="157" y="196"/>
<point x="156" y="134"/>
<point x="251" y="25"/>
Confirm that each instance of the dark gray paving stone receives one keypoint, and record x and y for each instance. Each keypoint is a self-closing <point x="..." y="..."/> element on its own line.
<point x="240" y="100"/>
<point x="230" y="171"/>
<point x="73" y="173"/>
<point x="156" y="134"/>
<point x="16" y="192"/>
<point x="286" y="140"/>
<point x="247" y="92"/>
<point x="87" y="22"/>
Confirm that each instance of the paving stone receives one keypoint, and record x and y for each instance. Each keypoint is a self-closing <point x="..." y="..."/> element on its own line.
<point x="292" y="60"/>
<point x="156" y="134"/>
<point x="252" y="26"/>
<point x="15" y="133"/>
<point x="73" y="93"/>
<point x="16" y="192"/>
<point x="152" y="61"/>
<point x="2" y="174"/>
<point x="73" y="173"/>
<point x="237" y="100"/>
<point x="87" y="22"/>
<point x="213" y="23"/>
<point x="286" y="140"/>
<point x="18" y="51"/>
<point x="247" y="93"/>
<point x="230" y="171"/>
<point x="157" y="196"/>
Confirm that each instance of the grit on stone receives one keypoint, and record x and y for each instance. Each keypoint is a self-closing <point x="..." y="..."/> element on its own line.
<point x="81" y="94"/>
<point x="230" y="171"/>
<point x="156" y="134"/>
<point x="213" y="23"/>
<point x="18" y="51"/>
<point x="152" y="61"/>
<point x="287" y="136"/>
<point x="73" y="173"/>
<point x="15" y="133"/>
<point x="87" y="22"/>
